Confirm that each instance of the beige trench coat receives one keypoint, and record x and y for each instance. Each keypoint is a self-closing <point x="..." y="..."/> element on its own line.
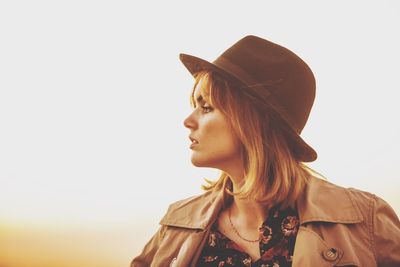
<point x="338" y="227"/>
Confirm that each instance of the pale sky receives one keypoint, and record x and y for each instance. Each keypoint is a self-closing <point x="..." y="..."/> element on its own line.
<point x="93" y="98"/>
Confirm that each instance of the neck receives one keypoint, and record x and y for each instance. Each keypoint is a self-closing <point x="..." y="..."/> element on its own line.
<point x="250" y="212"/>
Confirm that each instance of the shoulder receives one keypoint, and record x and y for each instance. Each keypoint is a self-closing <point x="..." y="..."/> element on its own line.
<point x="356" y="195"/>
<point x="352" y="220"/>
<point x="325" y="201"/>
<point x="383" y="224"/>
<point x="193" y="212"/>
<point x="191" y="201"/>
<point x="367" y="203"/>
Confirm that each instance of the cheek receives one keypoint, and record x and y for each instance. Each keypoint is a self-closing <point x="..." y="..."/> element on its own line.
<point x="219" y="137"/>
<point x="225" y="141"/>
<point x="230" y="143"/>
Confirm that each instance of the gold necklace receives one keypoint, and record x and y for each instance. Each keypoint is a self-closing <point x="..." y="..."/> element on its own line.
<point x="236" y="231"/>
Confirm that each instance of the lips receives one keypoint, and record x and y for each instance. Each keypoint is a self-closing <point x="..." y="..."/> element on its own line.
<point x="194" y="142"/>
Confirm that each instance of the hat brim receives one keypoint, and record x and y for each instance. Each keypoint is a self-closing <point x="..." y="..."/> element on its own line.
<point x="301" y="149"/>
<point x="195" y="64"/>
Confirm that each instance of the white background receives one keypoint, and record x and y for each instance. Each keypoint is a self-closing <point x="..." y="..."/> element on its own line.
<point x="93" y="98"/>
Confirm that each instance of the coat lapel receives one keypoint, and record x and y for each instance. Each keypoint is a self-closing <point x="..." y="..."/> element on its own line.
<point x="191" y="249"/>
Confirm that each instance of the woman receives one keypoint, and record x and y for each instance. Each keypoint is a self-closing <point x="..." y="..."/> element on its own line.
<point x="267" y="208"/>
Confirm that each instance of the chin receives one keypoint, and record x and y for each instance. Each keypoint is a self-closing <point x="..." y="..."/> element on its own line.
<point x="198" y="162"/>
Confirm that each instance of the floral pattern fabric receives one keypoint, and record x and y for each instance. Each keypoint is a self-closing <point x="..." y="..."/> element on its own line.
<point x="277" y="238"/>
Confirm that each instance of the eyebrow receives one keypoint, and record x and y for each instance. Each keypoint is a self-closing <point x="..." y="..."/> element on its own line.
<point x="199" y="99"/>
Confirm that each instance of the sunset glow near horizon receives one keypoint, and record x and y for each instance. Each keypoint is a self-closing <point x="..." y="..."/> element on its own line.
<point x="93" y="98"/>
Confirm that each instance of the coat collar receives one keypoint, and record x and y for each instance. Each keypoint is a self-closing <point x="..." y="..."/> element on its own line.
<point x="321" y="201"/>
<point x="198" y="212"/>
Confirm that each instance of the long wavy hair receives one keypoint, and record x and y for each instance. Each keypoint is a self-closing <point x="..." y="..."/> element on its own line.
<point x="273" y="175"/>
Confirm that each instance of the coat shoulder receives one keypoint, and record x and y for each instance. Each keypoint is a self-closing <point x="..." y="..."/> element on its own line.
<point x="190" y="201"/>
<point x="363" y="201"/>
<point x="325" y="201"/>
<point x="367" y="201"/>
<point x="192" y="212"/>
<point x="358" y="194"/>
<point x="384" y="225"/>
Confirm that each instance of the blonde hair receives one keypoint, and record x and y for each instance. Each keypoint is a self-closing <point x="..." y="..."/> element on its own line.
<point x="273" y="176"/>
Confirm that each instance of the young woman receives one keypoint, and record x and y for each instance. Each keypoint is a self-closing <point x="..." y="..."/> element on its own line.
<point x="267" y="208"/>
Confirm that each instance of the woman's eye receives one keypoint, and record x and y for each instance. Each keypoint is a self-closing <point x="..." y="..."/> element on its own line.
<point x="206" y="109"/>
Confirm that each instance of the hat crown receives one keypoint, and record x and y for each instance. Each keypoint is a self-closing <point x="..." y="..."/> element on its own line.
<point x="281" y="77"/>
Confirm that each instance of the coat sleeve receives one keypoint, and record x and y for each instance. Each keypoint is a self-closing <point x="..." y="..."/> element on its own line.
<point x="386" y="234"/>
<point x="145" y="258"/>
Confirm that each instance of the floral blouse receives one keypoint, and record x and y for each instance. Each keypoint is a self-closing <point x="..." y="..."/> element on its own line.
<point x="278" y="236"/>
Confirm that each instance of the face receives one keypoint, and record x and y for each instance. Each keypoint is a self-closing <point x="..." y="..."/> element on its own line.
<point x="216" y="146"/>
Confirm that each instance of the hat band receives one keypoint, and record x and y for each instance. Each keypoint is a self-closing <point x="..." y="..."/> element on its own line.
<point x="244" y="77"/>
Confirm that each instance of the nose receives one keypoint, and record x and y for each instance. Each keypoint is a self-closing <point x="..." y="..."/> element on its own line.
<point x="190" y="121"/>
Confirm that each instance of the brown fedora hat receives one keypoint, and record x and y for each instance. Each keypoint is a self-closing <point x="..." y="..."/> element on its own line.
<point x="272" y="74"/>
